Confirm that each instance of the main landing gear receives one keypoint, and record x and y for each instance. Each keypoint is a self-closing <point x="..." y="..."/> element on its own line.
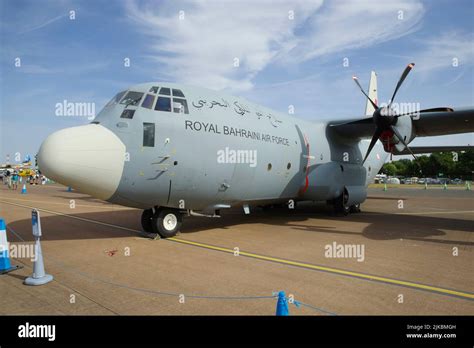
<point x="341" y="207"/>
<point x="161" y="221"/>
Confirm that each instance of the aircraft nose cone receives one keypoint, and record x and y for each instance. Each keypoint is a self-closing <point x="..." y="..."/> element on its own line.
<point x="88" y="158"/>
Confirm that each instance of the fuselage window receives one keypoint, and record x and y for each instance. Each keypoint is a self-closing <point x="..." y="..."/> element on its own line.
<point x="127" y="113"/>
<point x="149" y="134"/>
<point x="148" y="101"/>
<point x="163" y="104"/>
<point x="180" y="106"/>
<point x="132" y="98"/>
<point x="165" y="91"/>
<point x="177" y="93"/>
<point x="153" y="89"/>
<point x="116" y="99"/>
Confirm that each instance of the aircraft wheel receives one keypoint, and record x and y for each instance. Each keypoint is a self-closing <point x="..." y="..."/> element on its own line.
<point x="340" y="204"/>
<point x="355" y="208"/>
<point x="147" y="222"/>
<point x="167" y="222"/>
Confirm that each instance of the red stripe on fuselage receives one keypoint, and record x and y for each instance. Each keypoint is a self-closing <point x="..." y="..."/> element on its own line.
<point x="307" y="165"/>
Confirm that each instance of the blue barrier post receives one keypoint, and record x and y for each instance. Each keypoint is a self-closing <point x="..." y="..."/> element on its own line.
<point x="282" y="305"/>
<point x="5" y="265"/>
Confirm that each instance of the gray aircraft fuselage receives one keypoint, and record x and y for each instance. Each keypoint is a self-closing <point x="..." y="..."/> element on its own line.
<point x="190" y="157"/>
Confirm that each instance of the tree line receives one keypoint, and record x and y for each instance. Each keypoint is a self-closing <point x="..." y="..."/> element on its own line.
<point x="442" y="164"/>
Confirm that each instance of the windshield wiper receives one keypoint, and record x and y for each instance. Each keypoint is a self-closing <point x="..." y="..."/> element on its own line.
<point x="134" y="101"/>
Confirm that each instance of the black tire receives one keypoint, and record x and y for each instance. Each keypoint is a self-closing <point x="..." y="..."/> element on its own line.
<point x="167" y="222"/>
<point x="340" y="204"/>
<point x="147" y="223"/>
<point x="355" y="208"/>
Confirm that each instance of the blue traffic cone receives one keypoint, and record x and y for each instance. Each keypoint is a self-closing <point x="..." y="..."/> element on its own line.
<point x="282" y="305"/>
<point x="5" y="265"/>
<point x="23" y="190"/>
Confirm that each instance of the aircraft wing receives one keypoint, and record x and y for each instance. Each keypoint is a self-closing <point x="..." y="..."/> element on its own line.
<point x="427" y="124"/>
<point x="431" y="149"/>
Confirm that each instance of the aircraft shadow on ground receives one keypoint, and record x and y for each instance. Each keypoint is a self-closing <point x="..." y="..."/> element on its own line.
<point x="80" y="197"/>
<point x="380" y="226"/>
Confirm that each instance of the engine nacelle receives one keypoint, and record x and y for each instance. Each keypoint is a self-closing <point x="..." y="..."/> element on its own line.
<point x="405" y="128"/>
<point x="389" y="140"/>
<point x="355" y="194"/>
<point x="329" y="180"/>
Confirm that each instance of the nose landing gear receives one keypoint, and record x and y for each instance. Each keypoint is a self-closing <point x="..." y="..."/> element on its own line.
<point x="164" y="222"/>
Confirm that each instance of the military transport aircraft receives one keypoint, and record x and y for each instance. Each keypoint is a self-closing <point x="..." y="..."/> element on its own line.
<point x="174" y="150"/>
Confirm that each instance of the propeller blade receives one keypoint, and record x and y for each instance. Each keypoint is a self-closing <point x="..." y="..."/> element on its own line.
<point x="442" y="109"/>
<point x="400" y="81"/>
<point x="400" y="137"/>
<point x="375" y="137"/>
<point x="356" y="80"/>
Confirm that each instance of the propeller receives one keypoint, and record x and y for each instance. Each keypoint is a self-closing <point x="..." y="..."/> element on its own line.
<point x="385" y="118"/>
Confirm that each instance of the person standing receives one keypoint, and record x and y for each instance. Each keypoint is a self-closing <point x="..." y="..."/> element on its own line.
<point x="9" y="179"/>
<point x="15" y="180"/>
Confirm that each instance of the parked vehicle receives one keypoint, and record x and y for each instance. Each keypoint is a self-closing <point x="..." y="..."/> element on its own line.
<point x="393" y="181"/>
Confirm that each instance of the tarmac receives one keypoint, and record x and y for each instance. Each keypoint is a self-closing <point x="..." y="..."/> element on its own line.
<point x="418" y="258"/>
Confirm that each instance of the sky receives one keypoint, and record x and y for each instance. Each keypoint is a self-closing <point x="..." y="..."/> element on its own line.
<point x="300" y="53"/>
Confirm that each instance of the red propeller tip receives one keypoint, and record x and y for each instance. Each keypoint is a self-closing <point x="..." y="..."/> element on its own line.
<point x="411" y="65"/>
<point x="354" y="77"/>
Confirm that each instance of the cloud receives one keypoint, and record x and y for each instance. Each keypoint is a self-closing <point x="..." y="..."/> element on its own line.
<point x="444" y="50"/>
<point x="345" y="25"/>
<point x="37" y="69"/>
<point x="201" y="48"/>
<point x="42" y="25"/>
<point x="71" y="69"/>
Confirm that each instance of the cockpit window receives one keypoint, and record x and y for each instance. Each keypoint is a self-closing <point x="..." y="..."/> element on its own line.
<point x="127" y="113"/>
<point x="153" y="89"/>
<point x="165" y="91"/>
<point x="148" y="101"/>
<point x="180" y="106"/>
<point x="177" y="93"/>
<point x="116" y="99"/>
<point x="149" y="134"/>
<point x="132" y="98"/>
<point x="163" y="104"/>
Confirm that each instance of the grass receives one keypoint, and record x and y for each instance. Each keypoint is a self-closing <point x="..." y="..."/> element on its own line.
<point x="418" y="186"/>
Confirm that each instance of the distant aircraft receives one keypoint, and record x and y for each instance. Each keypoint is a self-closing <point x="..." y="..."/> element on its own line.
<point x="171" y="150"/>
